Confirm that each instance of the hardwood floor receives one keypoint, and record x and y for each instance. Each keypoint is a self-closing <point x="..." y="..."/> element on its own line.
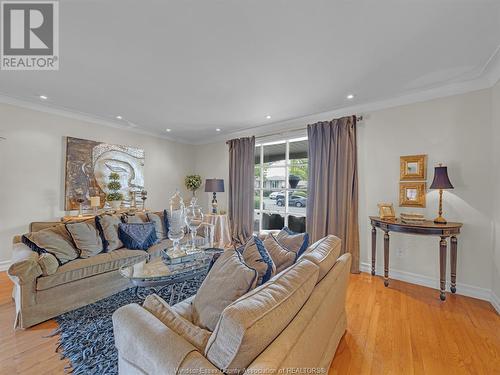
<point x="403" y="329"/>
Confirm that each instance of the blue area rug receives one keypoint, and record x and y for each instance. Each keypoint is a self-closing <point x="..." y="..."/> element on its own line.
<point x="86" y="334"/>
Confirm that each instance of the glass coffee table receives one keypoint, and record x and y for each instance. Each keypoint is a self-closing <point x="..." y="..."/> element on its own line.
<point x="169" y="273"/>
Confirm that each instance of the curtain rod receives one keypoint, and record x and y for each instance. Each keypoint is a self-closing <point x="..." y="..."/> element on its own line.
<point x="358" y="119"/>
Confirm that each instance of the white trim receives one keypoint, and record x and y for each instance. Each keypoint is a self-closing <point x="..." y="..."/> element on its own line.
<point x="430" y="282"/>
<point x="4" y="265"/>
<point x="495" y="301"/>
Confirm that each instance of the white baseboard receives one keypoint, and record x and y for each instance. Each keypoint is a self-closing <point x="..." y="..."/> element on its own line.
<point x="413" y="278"/>
<point x="4" y="265"/>
<point x="495" y="301"/>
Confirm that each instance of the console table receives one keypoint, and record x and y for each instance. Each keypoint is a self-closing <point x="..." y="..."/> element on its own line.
<point x="428" y="228"/>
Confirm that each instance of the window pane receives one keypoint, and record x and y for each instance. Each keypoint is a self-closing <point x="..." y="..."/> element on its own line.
<point x="274" y="178"/>
<point x="257" y="174"/>
<point x="297" y="224"/>
<point x="272" y="221"/>
<point x="274" y="155"/>
<point x="298" y="165"/>
<point x="274" y="200"/>
<point x="297" y="202"/>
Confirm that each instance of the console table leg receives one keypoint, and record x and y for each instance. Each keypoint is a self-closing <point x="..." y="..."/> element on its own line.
<point x="442" y="267"/>
<point x="374" y="249"/>
<point x="453" y="263"/>
<point x="386" y="258"/>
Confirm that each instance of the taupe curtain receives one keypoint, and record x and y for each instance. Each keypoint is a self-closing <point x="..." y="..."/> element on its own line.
<point x="332" y="202"/>
<point x="241" y="188"/>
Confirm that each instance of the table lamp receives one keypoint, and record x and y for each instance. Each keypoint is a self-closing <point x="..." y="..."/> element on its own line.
<point x="214" y="185"/>
<point x="441" y="181"/>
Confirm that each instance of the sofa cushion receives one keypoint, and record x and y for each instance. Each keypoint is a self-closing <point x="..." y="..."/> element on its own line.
<point x="82" y="268"/>
<point x="248" y="325"/>
<point x="138" y="217"/>
<point x="195" y="335"/>
<point x="256" y="256"/>
<point x="296" y="242"/>
<point x="323" y="253"/>
<point x="137" y="236"/>
<point x="282" y="258"/>
<point x="229" y="279"/>
<point x="185" y="308"/>
<point x="160" y="221"/>
<point x="108" y="227"/>
<point x="86" y="237"/>
<point x="48" y="264"/>
<point x="55" y="240"/>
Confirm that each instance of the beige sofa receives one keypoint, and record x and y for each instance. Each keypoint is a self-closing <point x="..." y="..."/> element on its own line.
<point x="75" y="284"/>
<point x="291" y="323"/>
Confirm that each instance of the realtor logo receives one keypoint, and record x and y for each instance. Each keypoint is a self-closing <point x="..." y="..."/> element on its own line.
<point x="29" y="35"/>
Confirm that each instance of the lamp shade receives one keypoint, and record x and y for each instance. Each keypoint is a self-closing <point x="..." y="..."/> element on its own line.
<point x="214" y="185"/>
<point x="441" y="179"/>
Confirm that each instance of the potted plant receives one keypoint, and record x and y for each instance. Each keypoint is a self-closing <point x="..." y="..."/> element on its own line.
<point x="293" y="180"/>
<point x="114" y="197"/>
<point x="193" y="183"/>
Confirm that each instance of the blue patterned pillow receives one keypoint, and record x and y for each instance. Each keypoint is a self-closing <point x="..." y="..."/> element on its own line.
<point x="256" y="256"/>
<point x="137" y="236"/>
<point x="296" y="242"/>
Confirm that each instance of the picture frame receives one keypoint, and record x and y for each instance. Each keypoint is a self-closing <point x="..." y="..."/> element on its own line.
<point x="412" y="194"/>
<point x="386" y="211"/>
<point x="413" y="168"/>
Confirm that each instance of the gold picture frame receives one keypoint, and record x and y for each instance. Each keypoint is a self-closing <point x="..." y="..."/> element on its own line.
<point x="413" y="168"/>
<point x="412" y="194"/>
<point x="386" y="211"/>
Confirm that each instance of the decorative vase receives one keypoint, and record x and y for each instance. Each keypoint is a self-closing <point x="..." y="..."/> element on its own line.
<point x="115" y="204"/>
<point x="176" y="220"/>
<point x="194" y="218"/>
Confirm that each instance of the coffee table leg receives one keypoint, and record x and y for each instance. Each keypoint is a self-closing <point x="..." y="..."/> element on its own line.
<point x="443" y="245"/>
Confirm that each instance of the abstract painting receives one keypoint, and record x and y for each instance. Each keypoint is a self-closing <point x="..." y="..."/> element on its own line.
<point x="88" y="165"/>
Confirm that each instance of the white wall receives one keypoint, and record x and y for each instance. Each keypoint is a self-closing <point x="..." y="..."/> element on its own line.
<point x="495" y="95"/>
<point x="212" y="161"/>
<point x="32" y="167"/>
<point x="455" y="131"/>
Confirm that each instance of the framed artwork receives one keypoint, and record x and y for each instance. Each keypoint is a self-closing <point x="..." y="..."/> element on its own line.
<point x="386" y="211"/>
<point x="413" y="168"/>
<point x="412" y="194"/>
<point x="88" y="166"/>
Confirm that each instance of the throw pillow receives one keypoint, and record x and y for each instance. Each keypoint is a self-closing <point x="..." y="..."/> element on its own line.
<point x="256" y="256"/>
<point x="296" y="242"/>
<point x="228" y="280"/>
<point x="160" y="220"/>
<point x="48" y="264"/>
<point x="281" y="257"/>
<point x="86" y="238"/>
<point x="137" y="236"/>
<point x="197" y="336"/>
<point x="54" y="240"/>
<point x="108" y="228"/>
<point x="137" y="218"/>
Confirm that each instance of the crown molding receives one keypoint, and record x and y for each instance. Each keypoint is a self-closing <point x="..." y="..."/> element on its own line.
<point x="81" y="116"/>
<point x="450" y="89"/>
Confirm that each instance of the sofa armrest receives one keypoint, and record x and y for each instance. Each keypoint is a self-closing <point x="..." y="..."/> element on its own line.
<point x="24" y="268"/>
<point x="149" y="345"/>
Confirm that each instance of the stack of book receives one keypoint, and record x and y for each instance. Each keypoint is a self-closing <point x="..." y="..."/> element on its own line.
<point x="412" y="218"/>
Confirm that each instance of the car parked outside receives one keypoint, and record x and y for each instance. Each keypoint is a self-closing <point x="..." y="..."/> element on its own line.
<point x="293" y="201"/>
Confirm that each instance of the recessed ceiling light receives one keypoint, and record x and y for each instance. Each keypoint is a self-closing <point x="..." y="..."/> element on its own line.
<point x="217" y="130"/>
<point x="119" y="117"/>
<point x="350" y="96"/>
<point x="268" y="117"/>
<point x="43" y="97"/>
<point x="168" y="130"/>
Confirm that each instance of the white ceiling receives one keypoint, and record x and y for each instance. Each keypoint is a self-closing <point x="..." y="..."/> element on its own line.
<point x="193" y="66"/>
